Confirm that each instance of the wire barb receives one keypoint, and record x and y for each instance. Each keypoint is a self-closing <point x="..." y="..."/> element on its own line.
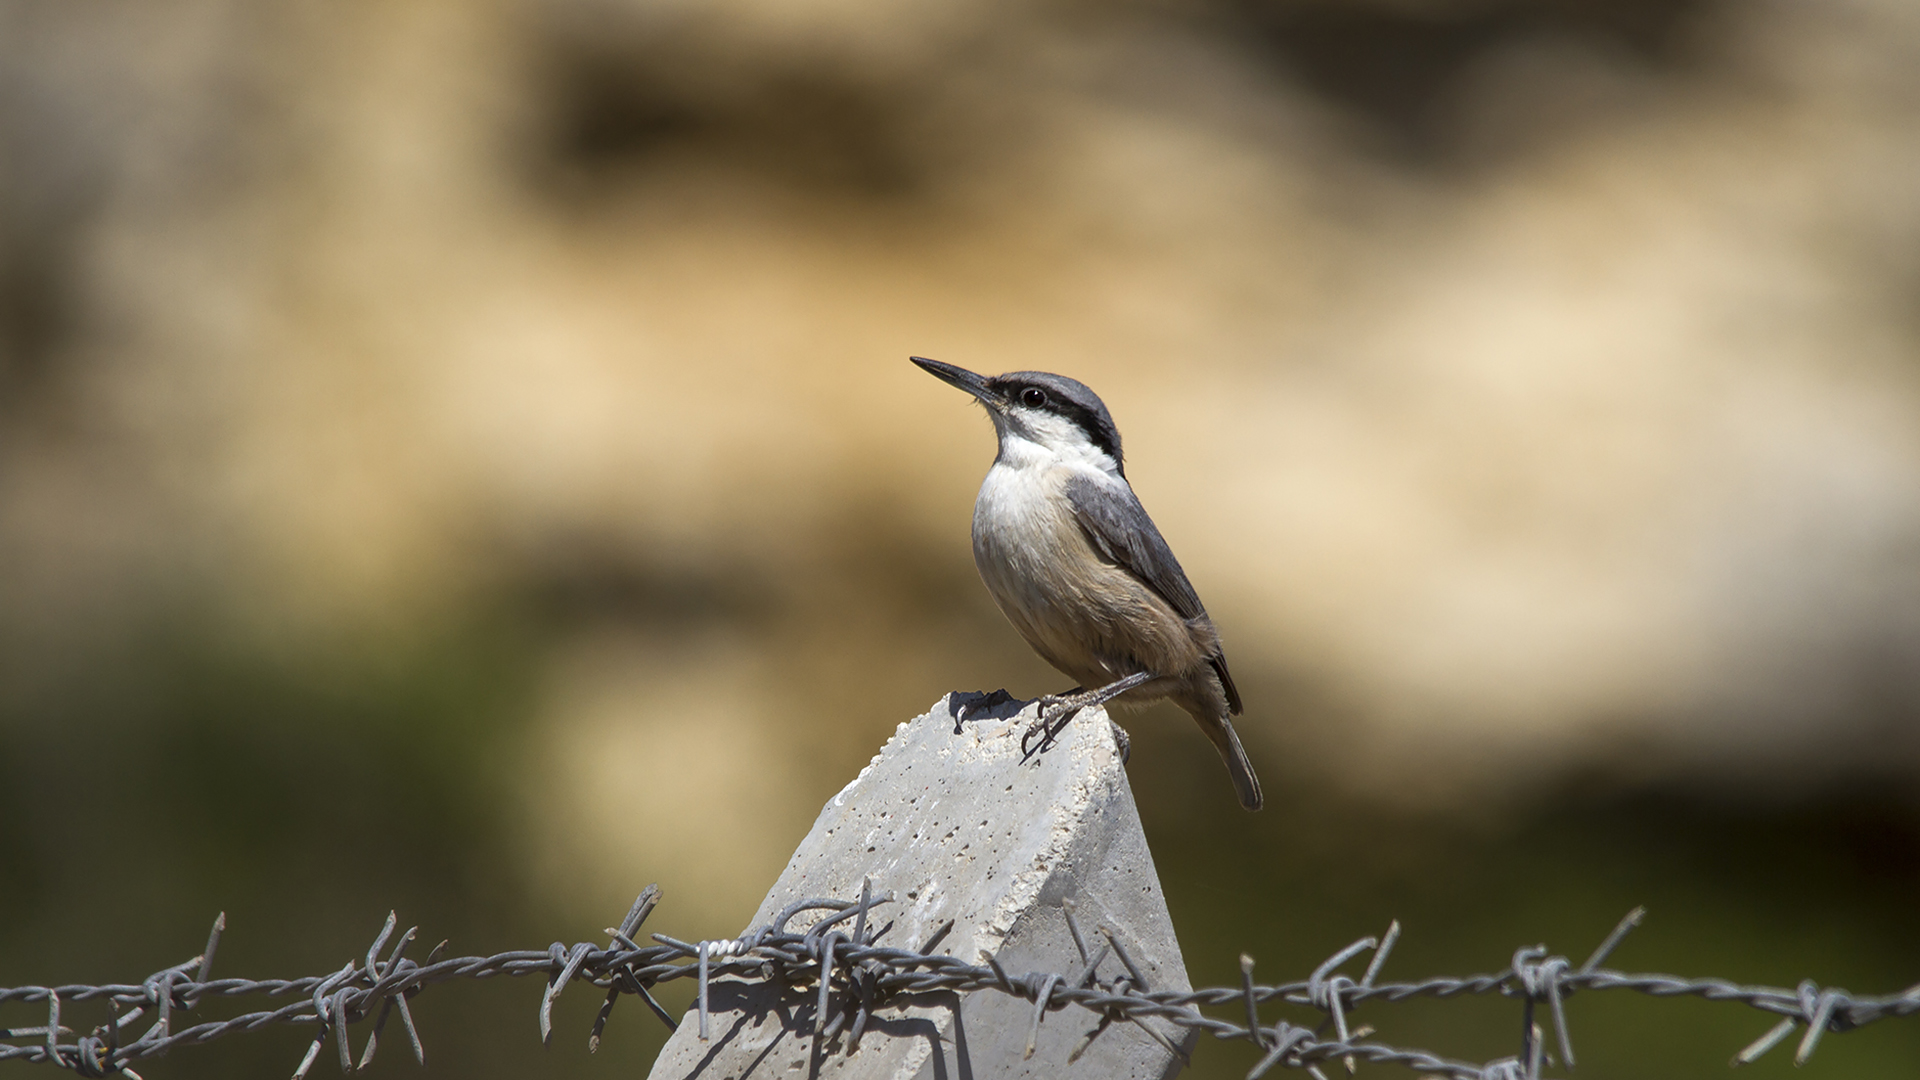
<point x="1253" y="1006"/>
<point x="1627" y="923"/>
<point x="1774" y="1036"/>
<point x="570" y="961"/>
<point x="1819" y="1007"/>
<point x="1040" y="1001"/>
<point x="826" y="982"/>
<point x="1067" y="907"/>
<point x="206" y="956"/>
<point x="1380" y="953"/>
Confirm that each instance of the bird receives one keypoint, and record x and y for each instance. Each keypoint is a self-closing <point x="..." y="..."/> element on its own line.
<point x="1076" y="565"/>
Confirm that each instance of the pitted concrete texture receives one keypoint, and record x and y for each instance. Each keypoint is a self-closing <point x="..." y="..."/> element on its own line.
<point x="957" y="827"/>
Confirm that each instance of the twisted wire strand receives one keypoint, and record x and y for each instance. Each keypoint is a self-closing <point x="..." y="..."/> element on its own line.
<point x="845" y="967"/>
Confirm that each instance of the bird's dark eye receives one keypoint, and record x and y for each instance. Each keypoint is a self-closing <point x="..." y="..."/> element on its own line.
<point x="1033" y="397"/>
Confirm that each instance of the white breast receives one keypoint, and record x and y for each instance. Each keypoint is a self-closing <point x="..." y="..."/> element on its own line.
<point x="1021" y="512"/>
<point x="1032" y="554"/>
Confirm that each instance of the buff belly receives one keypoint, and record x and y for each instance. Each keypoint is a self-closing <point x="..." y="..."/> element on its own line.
<point x="1093" y="620"/>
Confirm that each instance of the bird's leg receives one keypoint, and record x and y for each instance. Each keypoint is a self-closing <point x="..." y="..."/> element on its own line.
<point x="1056" y="710"/>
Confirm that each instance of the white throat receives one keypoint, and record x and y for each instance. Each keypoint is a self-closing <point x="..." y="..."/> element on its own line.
<point x="1031" y="439"/>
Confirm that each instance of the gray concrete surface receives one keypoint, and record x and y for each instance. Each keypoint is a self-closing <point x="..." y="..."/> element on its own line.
<point x="957" y="827"/>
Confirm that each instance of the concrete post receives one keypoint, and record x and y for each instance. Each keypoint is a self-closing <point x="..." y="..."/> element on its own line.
<point x="957" y="827"/>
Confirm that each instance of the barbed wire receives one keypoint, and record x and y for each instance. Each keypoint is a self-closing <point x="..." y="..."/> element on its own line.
<point x="854" y="977"/>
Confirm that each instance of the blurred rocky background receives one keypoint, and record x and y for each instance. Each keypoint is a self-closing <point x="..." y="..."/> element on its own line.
<point x="461" y="458"/>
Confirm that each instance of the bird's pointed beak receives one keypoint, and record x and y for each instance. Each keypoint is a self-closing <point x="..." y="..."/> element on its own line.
<point x="964" y="379"/>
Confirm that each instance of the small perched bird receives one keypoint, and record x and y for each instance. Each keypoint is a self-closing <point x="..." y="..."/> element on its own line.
<point x="1078" y="567"/>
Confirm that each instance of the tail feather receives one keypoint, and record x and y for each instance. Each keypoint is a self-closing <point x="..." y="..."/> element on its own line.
<point x="1245" y="784"/>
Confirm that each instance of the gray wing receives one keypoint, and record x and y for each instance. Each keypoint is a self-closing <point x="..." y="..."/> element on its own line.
<point x="1121" y="531"/>
<point x="1124" y="535"/>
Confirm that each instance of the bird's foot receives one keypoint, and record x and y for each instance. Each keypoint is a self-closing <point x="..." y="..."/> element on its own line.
<point x="1057" y="710"/>
<point x="1121" y="740"/>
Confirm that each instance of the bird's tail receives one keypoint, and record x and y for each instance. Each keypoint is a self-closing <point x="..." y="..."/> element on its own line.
<point x="1245" y="784"/>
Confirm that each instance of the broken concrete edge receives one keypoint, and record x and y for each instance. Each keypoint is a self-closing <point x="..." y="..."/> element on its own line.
<point x="964" y="827"/>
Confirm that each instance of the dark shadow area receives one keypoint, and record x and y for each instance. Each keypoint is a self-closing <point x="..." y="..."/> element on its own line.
<point x="614" y="110"/>
<point x="35" y="311"/>
<point x="581" y="579"/>
<point x="42" y="225"/>
<point x="1397" y="66"/>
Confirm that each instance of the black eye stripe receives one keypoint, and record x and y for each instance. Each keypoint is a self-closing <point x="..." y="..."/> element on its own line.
<point x="1085" y="419"/>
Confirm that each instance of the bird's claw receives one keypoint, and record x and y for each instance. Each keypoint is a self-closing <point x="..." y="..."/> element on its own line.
<point x="1056" y="712"/>
<point x="1049" y="727"/>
